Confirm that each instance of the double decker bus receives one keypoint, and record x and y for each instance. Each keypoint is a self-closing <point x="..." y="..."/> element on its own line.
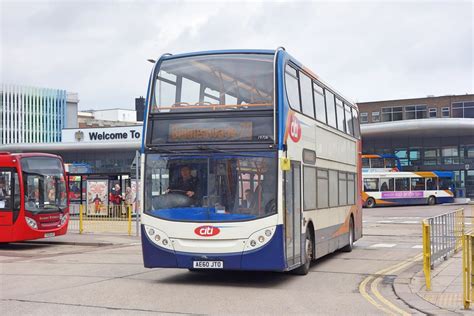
<point x="407" y="188"/>
<point x="33" y="197"/>
<point x="250" y="162"/>
<point x="380" y="163"/>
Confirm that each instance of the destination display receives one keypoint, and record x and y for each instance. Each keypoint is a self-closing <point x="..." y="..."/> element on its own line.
<point x="252" y="129"/>
<point x="183" y="132"/>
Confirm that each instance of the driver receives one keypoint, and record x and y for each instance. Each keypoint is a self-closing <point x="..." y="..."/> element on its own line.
<point x="186" y="184"/>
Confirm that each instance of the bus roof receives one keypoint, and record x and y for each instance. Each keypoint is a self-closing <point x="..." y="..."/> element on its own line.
<point x="405" y="174"/>
<point x="224" y="51"/>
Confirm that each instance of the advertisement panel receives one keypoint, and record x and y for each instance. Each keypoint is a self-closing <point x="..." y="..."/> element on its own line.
<point x="97" y="197"/>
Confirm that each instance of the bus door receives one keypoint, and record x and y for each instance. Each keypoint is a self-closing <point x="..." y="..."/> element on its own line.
<point x="293" y="214"/>
<point x="6" y="196"/>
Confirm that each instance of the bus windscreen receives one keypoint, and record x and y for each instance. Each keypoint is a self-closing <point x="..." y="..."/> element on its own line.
<point x="218" y="187"/>
<point x="214" y="82"/>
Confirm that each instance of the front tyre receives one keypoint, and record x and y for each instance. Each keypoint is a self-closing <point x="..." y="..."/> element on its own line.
<point x="431" y="200"/>
<point x="370" y="202"/>
<point x="308" y="249"/>
<point x="350" y="244"/>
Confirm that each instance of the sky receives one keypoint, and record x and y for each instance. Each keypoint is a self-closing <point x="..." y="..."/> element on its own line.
<point x="367" y="50"/>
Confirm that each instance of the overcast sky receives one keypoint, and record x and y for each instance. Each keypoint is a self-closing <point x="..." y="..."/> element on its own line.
<point x="368" y="50"/>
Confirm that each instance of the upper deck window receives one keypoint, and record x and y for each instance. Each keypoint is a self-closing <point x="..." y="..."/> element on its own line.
<point x="214" y="82"/>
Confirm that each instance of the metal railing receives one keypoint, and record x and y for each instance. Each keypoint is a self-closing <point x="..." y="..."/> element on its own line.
<point x="442" y="237"/>
<point x="116" y="219"/>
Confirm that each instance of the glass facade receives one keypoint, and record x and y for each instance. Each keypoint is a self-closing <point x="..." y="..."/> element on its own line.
<point x="31" y="115"/>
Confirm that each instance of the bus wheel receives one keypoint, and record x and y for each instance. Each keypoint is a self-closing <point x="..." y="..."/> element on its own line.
<point x="370" y="202"/>
<point x="308" y="252"/>
<point x="431" y="200"/>
<point x="350" y="245"/>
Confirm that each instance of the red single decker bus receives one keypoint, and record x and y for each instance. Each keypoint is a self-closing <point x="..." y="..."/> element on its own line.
<point x="33" y="197"/>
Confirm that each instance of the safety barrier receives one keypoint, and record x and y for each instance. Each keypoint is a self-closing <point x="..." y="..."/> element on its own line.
<point x="119" y="219"/>
<point x="467" y="268"/>
<point x="442" y="237"/>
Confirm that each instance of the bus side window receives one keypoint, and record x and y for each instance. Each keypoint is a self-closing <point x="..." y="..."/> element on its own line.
<point x="365" y="163"/>
<point x="5" y="190"/>
<point x="16" y="192"/>
<point x="402" y="184"/>
<point x="371" y="185"/>
<point x="417" y="184"/>
<point x="386" y="184"/>
<point x="291" y="81"/>
<point x="431" y="183"/>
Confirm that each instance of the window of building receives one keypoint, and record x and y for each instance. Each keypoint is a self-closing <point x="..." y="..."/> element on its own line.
<point x="306" y="86"/>
<point x="375" y="116"/>
<point x="386" y="184"/>
<point x="414" y="157"/>
<point x="430" y="156"/>
<point x="350" y="188"/>
<point x="364" y="117"/>
<point x="342" y="188"/>
<point x="450" y="155"/>
<point x="469" y="151"/>
<point x="463" y="109"/>
<point x="445" y="112"/>
<point x="392" y="114"/>
<point x="418" y="184"/>
<point x="323" y="189"/>
<point x="291" y="81"/>
<point x="433" y="112"/>
<point x="319" y="103"/>
<point x="333" y="191"/>
<point x="349" y="121"/>
<point x="330" y="108"/>
<point x="402" y="155"/>
<point x="402" y="184"/>
<point x="413" y="112"/>
<point x="371" y="185"/>
<point x="341" y="122"/>
<point x="309" y="178"/>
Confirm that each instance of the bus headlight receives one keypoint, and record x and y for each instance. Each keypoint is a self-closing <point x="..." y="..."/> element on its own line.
<point x="63" y="219"/>
<point x="259" y="238"/>
<point x="159" y="238"/>
<point x="31" y="222"/>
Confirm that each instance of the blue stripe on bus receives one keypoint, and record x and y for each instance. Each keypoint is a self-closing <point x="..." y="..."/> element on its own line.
<point x="198" y="214"/>
<point x="270" y="257"/>
<point x="444" y="174"/>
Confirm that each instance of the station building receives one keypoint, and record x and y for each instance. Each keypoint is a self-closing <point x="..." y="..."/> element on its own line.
<point x="432" y="133"/>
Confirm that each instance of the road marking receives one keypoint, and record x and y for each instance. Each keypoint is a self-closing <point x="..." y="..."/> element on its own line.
<point x="384" y="304"/>
<point x="417" y="247"/>
<point x="411" y="222"/>
<point x="382" y="246"/>
<point x="385" y="221"/>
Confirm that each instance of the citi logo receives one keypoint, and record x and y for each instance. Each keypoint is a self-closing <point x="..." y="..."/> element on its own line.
<point x="207" y="231"/>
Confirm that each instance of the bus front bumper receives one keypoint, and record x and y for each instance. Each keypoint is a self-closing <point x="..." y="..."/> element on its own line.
<point x="270" y="257"/>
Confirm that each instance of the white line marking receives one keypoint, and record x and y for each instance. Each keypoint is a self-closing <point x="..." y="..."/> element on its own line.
<point x="410" y="222"/>
<point x="417" y="247"/>
<point x="383" y="246"/>
<point x="384" y="221"/>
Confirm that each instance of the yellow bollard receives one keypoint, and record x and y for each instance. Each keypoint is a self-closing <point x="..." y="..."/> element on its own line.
<point x="81" y="227"/>
<point x="467" y="270"/>
<point x="427" y="254"/>
<point x="129" y="210"/>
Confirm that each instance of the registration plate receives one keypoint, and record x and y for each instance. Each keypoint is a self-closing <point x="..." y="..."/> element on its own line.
<point x="208" y="264"/>
<point x="46" y="235"/>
